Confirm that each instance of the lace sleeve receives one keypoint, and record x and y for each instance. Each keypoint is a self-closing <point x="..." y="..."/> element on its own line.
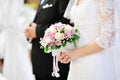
<point x="108" y="30"/>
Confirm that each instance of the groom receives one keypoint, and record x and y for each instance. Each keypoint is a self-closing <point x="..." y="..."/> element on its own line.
<point x="49" y="12"/>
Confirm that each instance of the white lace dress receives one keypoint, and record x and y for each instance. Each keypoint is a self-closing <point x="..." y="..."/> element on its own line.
<point x="95" y="21"/>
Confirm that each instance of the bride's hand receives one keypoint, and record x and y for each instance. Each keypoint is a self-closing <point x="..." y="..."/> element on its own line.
<point x="64" y="58"/>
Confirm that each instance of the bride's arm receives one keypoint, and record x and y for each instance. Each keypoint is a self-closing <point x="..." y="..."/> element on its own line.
<point x="106" y="38"/>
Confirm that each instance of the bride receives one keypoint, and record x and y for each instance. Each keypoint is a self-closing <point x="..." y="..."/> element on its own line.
<point x="14" y="47"/>
<point x="95" y="58"/>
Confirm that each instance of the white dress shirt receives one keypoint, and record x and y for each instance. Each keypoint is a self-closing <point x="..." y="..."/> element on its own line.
<point x="42" y="1"/>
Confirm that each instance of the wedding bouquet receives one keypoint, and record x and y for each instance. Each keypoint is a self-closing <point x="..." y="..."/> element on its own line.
<point x="57" y="37"/>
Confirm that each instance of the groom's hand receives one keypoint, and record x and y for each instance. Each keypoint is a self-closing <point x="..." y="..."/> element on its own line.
<point x="31" y="31"/>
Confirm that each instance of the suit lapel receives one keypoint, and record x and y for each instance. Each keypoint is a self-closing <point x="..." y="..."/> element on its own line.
<point x="40" y="8"/>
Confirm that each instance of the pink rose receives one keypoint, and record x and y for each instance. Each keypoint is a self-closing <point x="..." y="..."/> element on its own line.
<point x="58" y="42"/>
<point x="51" y="43"/>
<point x="51" y="35"/>
<point x="67" y="35"/>
<point x="73" y="31"/>
<point x="60" y="26"/>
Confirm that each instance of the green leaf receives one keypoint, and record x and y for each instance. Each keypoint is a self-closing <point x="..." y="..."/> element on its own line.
<point x="76" y="30"/>
<point x="70" y="40"/>
<point x="73" y="39"/>
<point x="57" y="47"/>
<point x="74" y="42"/>
<point x="46" y="49"/>
<point x="53" y="47"/>
<point x="76" y="36"/>
<point x="62" y="31"/>
<point x="64" y="44"/>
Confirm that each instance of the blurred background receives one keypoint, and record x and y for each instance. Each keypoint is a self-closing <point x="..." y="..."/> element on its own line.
<point x="30" y="10"/>
<point x="32" y="3"/>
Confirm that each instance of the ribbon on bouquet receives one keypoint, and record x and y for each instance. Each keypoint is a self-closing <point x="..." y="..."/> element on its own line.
<point x="56" y="69"/>
<point x="56" y="54"/>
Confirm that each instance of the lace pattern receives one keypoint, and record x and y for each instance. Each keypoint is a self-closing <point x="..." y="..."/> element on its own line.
<point x="108" y="30"/>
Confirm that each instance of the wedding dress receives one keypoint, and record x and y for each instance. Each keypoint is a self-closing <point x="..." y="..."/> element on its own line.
<point x="14" y="47"/>
<point x="95" y="20"/>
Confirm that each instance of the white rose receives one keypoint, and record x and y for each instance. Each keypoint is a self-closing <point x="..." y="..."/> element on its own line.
<point x="59" y="36"/>
<point x="43" y="44"/>
<point x="50" y="30"/>
<point x="47" y="40"/>
<point x="68" y="28"/>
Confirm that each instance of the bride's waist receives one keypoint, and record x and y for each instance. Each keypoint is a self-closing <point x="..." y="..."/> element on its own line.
<point x="94" y="27"/>
<point x="88" y="33"/>
<point x="86" y="23"/>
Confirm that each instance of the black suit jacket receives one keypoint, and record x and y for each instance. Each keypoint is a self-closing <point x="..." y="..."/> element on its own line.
<point x="43" y="62"/>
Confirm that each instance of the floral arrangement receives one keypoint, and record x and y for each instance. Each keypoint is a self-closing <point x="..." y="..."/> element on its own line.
<point x="57" y="36"/>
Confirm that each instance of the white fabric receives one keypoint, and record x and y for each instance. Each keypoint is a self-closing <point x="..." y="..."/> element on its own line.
<point x="108" y="29"/>
<point x="42" y="1"/>
<point x="95" y="20"/>
<point x="2" y="77"/>
<point x="68" y="9"/>
<point x="116" y="54"/>
<point x="14" y="47"/>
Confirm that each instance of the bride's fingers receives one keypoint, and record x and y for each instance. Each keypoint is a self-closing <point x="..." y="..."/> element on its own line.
<point x="61" y="56"/>
<point x="68" y="60"/>
<point x="65" y="60"/>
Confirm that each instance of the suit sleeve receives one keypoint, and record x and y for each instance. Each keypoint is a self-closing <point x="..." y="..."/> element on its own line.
<point x="40" y="29"/>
